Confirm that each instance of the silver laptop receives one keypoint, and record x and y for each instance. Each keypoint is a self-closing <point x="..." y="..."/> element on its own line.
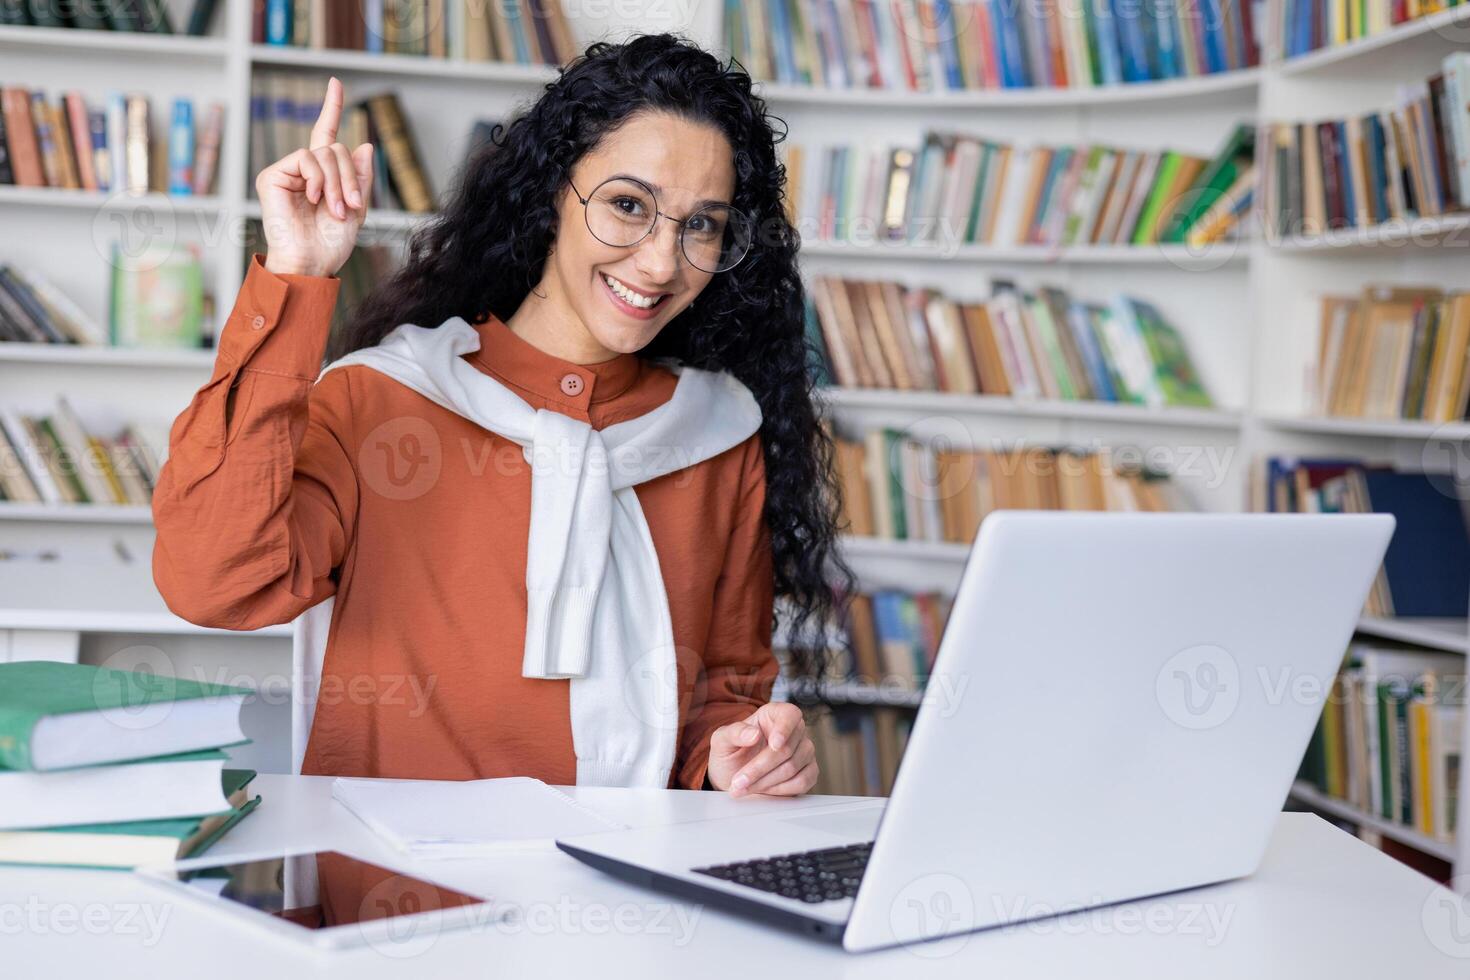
<point x="1118" y="707"/>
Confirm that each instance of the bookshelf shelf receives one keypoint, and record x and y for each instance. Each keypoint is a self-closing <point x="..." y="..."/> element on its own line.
<point x="1449" y="635"/>
<point x="1371" y="428"/>
<point x="402" y="65"/>
<point x="110" y="357"/>
<point x="1314" y="798"/>
<point x="77" y="513"/>
<point x="53" y="197"/>
<point x="381" y="219"/>
<point x="1204" y="86"/>
<point x="938" y="401"/>
<point x="91" y="43"/>
<point x="1179" y="256"/>
<point x="106" y="621"/>
<point x="1438" y="232"/>
<point x="1342" y="56"/>
<point x="857" y="546"/>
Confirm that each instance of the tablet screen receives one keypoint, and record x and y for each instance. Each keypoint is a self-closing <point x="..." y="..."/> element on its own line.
<point x="323" y="890"/>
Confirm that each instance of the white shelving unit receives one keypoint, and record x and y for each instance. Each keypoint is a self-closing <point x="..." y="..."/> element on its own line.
<point x="1233" y="302"/>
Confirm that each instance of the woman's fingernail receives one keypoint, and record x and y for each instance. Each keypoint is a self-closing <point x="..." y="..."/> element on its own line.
<point x="740" y="782"/>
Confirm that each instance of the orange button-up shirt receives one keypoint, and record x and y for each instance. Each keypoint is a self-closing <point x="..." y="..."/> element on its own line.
<point x="417" y="520"/>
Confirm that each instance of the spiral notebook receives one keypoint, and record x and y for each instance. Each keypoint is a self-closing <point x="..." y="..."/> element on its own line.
<point x="444" y="819"/>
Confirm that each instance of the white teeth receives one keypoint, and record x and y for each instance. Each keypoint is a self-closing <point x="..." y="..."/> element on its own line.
<point x="635" y="299"/>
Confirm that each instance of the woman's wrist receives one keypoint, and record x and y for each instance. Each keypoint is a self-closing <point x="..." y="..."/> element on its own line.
<point x="280" y="267"/>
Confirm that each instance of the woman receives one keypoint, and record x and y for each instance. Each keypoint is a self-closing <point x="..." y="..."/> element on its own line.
<point x="504" y="603"/>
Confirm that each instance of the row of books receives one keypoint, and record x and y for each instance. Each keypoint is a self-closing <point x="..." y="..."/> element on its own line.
<point x="70" y="145"/>
<point x="958" y="45"/>
<point x="84" y="784"/>
<point x="1303" y="26"/>
<point x="1426" y="570"/>
<point x="156" y="299"/>
<point x="52" y="458"/>
<point x="1018" y="343"/>
<point x="285" y="105"/>
<point x="899" y="487"/>
<point x="34" y="310"/>
<point x="126" y="16"/>
<point x="961" y="189"/>
<point x="1408" y="161"/>
<point x="891" y="638"/>
<point x="858" y="751"/>
<point x="1390" y="736"/>
<point x="1392" y="352"/>
<point x="526" y="32"/>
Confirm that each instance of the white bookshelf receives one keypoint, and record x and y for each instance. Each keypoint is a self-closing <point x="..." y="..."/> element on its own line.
<point x="1231" y="301"/>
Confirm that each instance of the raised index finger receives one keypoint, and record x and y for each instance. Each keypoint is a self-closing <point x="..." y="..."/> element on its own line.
<point x="324" y="132"/>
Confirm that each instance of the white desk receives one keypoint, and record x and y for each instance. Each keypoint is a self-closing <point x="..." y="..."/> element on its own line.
<point x="1322" y="905"/>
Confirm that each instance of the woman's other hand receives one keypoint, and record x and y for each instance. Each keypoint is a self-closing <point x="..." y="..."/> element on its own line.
<point x="313" y="200"/>
<point x="769" y="752"/>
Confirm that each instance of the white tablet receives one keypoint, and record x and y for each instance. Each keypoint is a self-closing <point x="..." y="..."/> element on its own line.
<point x="328" y="900"/>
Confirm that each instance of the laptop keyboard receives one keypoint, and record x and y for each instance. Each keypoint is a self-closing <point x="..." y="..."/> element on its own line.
<point x="808" y="876"/>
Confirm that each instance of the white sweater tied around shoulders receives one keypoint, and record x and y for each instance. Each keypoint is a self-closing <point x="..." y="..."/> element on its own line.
<point x="597" y="610"/>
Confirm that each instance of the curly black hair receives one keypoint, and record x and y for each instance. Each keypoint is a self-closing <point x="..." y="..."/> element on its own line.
<point x="486" y="249"/>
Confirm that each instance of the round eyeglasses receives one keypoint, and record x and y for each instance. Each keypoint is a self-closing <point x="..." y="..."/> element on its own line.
<point x="621" y="211"/>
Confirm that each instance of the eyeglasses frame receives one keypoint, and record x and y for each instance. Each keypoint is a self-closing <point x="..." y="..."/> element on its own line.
<point x="652" y="225"/>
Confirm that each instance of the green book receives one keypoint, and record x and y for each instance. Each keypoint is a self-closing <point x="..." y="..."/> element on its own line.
<point x="66" y="465"/>
<point x="1173" y="370"/>
<point x="972" y="223"/>
<point x="1219" y="174"/>
<point x="816" y="346"/>
<point x="1156" y="200"/>
<point x="62" y="716"/>
<point x="133" y="843"/>
<point x="893" y="470"/>
<point x="1046" y="329"/>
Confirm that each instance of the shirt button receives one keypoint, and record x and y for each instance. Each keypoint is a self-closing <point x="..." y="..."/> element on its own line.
<point x="571" y="384"/>
<point x="258" y="322"/>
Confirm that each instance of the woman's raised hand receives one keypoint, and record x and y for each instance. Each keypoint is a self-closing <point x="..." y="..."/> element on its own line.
<point x="313" y="200"/>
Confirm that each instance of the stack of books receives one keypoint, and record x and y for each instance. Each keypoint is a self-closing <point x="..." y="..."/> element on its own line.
<point x="1017" y="344"/>
<point x="54" y="459"/>
<point x="530" y="32"/>
<point x="958" y="189"/>
<point x="897" y="487"/>
<point x="69" y="145"/>
<point x="1426" y="571"/>
<point x="115" y="769"/>
<point x="1408" y="161"/>
<point x="1392" y="352"/>
<point x="140" y="17"/>
<point x="1389" y="738"/>
<point x="284" y="107"/>
<point x="959" y="45"/>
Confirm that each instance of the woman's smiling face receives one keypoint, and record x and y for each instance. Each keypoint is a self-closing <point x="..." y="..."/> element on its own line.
<point x="688" y="165"/>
